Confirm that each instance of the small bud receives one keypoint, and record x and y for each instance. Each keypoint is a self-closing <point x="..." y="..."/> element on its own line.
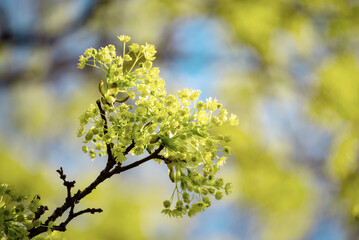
<point x="227" y="138"/>
<point x="186" y="197"/>
<point x="36" y="223"/>
<point x="31" y="216"/>
<point x="147" y="65"/>
<point x="171" y="174"/>
<point x="85" y="149"/>
<point x="101" y="88"/>
<point x="19" y="208"/>
<point x="214" y="119"/>
<point x="98" y="146"/>
<point x="127" y="57"/>
<point x="183" y="136"/>
<point x="20" y="218"/>
<point x="227" y="150"/>
<point x="211" y="190"/>
<point x="204" y="191"/>
<point x="179" y="205"/>
<point x="177" y="176"/>
<point x="166" y="203"/>
<point x="92" y="154"/>
<point x="33" y="207"/>
<point x="111" y="48"/>
<point x="200" y="105"/>
<point x="227" y="188"/>
<point x="190" y="187"/>
<point x="124" y="38"/>
<point x="134" y="47"/>
<point x="218" y="195"/>
<point x="206" y="200"/>
<point x="89" y="136"/>
<point x="160" y="119"/>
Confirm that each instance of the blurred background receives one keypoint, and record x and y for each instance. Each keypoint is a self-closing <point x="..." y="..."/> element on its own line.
<point x="288" y="68"/>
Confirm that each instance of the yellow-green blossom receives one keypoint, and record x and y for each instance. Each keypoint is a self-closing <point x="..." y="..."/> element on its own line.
<point x="179" y="123"/>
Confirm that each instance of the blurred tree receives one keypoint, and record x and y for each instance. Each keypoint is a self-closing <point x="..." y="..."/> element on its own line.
<point x="297" y="97"/>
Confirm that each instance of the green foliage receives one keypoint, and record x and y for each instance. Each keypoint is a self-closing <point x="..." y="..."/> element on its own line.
<point x="16" y="214"/>
<point x="181" y="124"/>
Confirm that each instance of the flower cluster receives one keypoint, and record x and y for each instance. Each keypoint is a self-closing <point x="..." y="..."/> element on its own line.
<point x="180" y="124"/>
<point x="17" y="216"/>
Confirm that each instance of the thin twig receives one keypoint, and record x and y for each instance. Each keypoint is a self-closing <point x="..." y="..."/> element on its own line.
<point x="67" y="184"/>
<point x="62" y="226"/>
<point x="155" y="154"/>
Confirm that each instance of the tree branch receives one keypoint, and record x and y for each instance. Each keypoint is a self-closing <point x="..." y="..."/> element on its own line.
<point x="41" y="210"/>
<point x="72" y="200"/>
<point x="111" y="161"/>
<point x="106" y="173"/>
<point x="166" y="160"/>
<point x="155" y="154"/>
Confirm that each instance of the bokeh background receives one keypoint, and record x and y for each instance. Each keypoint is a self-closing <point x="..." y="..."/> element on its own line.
<point x="288" y="68"/>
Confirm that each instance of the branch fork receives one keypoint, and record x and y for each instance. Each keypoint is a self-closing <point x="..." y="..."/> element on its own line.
<point x="71" y="200"/>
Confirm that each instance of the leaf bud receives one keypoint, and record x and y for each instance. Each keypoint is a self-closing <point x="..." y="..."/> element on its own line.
<point x="218" y="183"/>
<point x="134" y="47"/>
<point x="31" y="216"/>
<point x="89" y="136"/>
<point x="186" y="197"/>
<point x="179" y="205"/>
<point x="218" y="195"/>
<point x="200" y="105"/>
<point x="20" y="218"/>
<point x="227" y="150"/>
<point x="167" y="203"/>
<point x="190" y="187"/>
<point x="177" y="176"/>
<point x="19" y="208"/>
<point x="127" y="57"/>
<point x="211" y="190"/>
<point x="215" y="119"/>
<point x="227" y="138"/>
<point x="147" y="65"/>
<point x="197" y="189"/>
<point x="171" y="174"/>
<point x="92" y="154"/>
<point x="183" y="136"/>
<point x="206" y="200"/>
<point x="204" y="191"/>
<point x="36" y="223"/>
<point x="33" y="207"/>
<point x="124" y="38"/>
<point x="101" y="88"/>
<point x="227" y="188"/>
